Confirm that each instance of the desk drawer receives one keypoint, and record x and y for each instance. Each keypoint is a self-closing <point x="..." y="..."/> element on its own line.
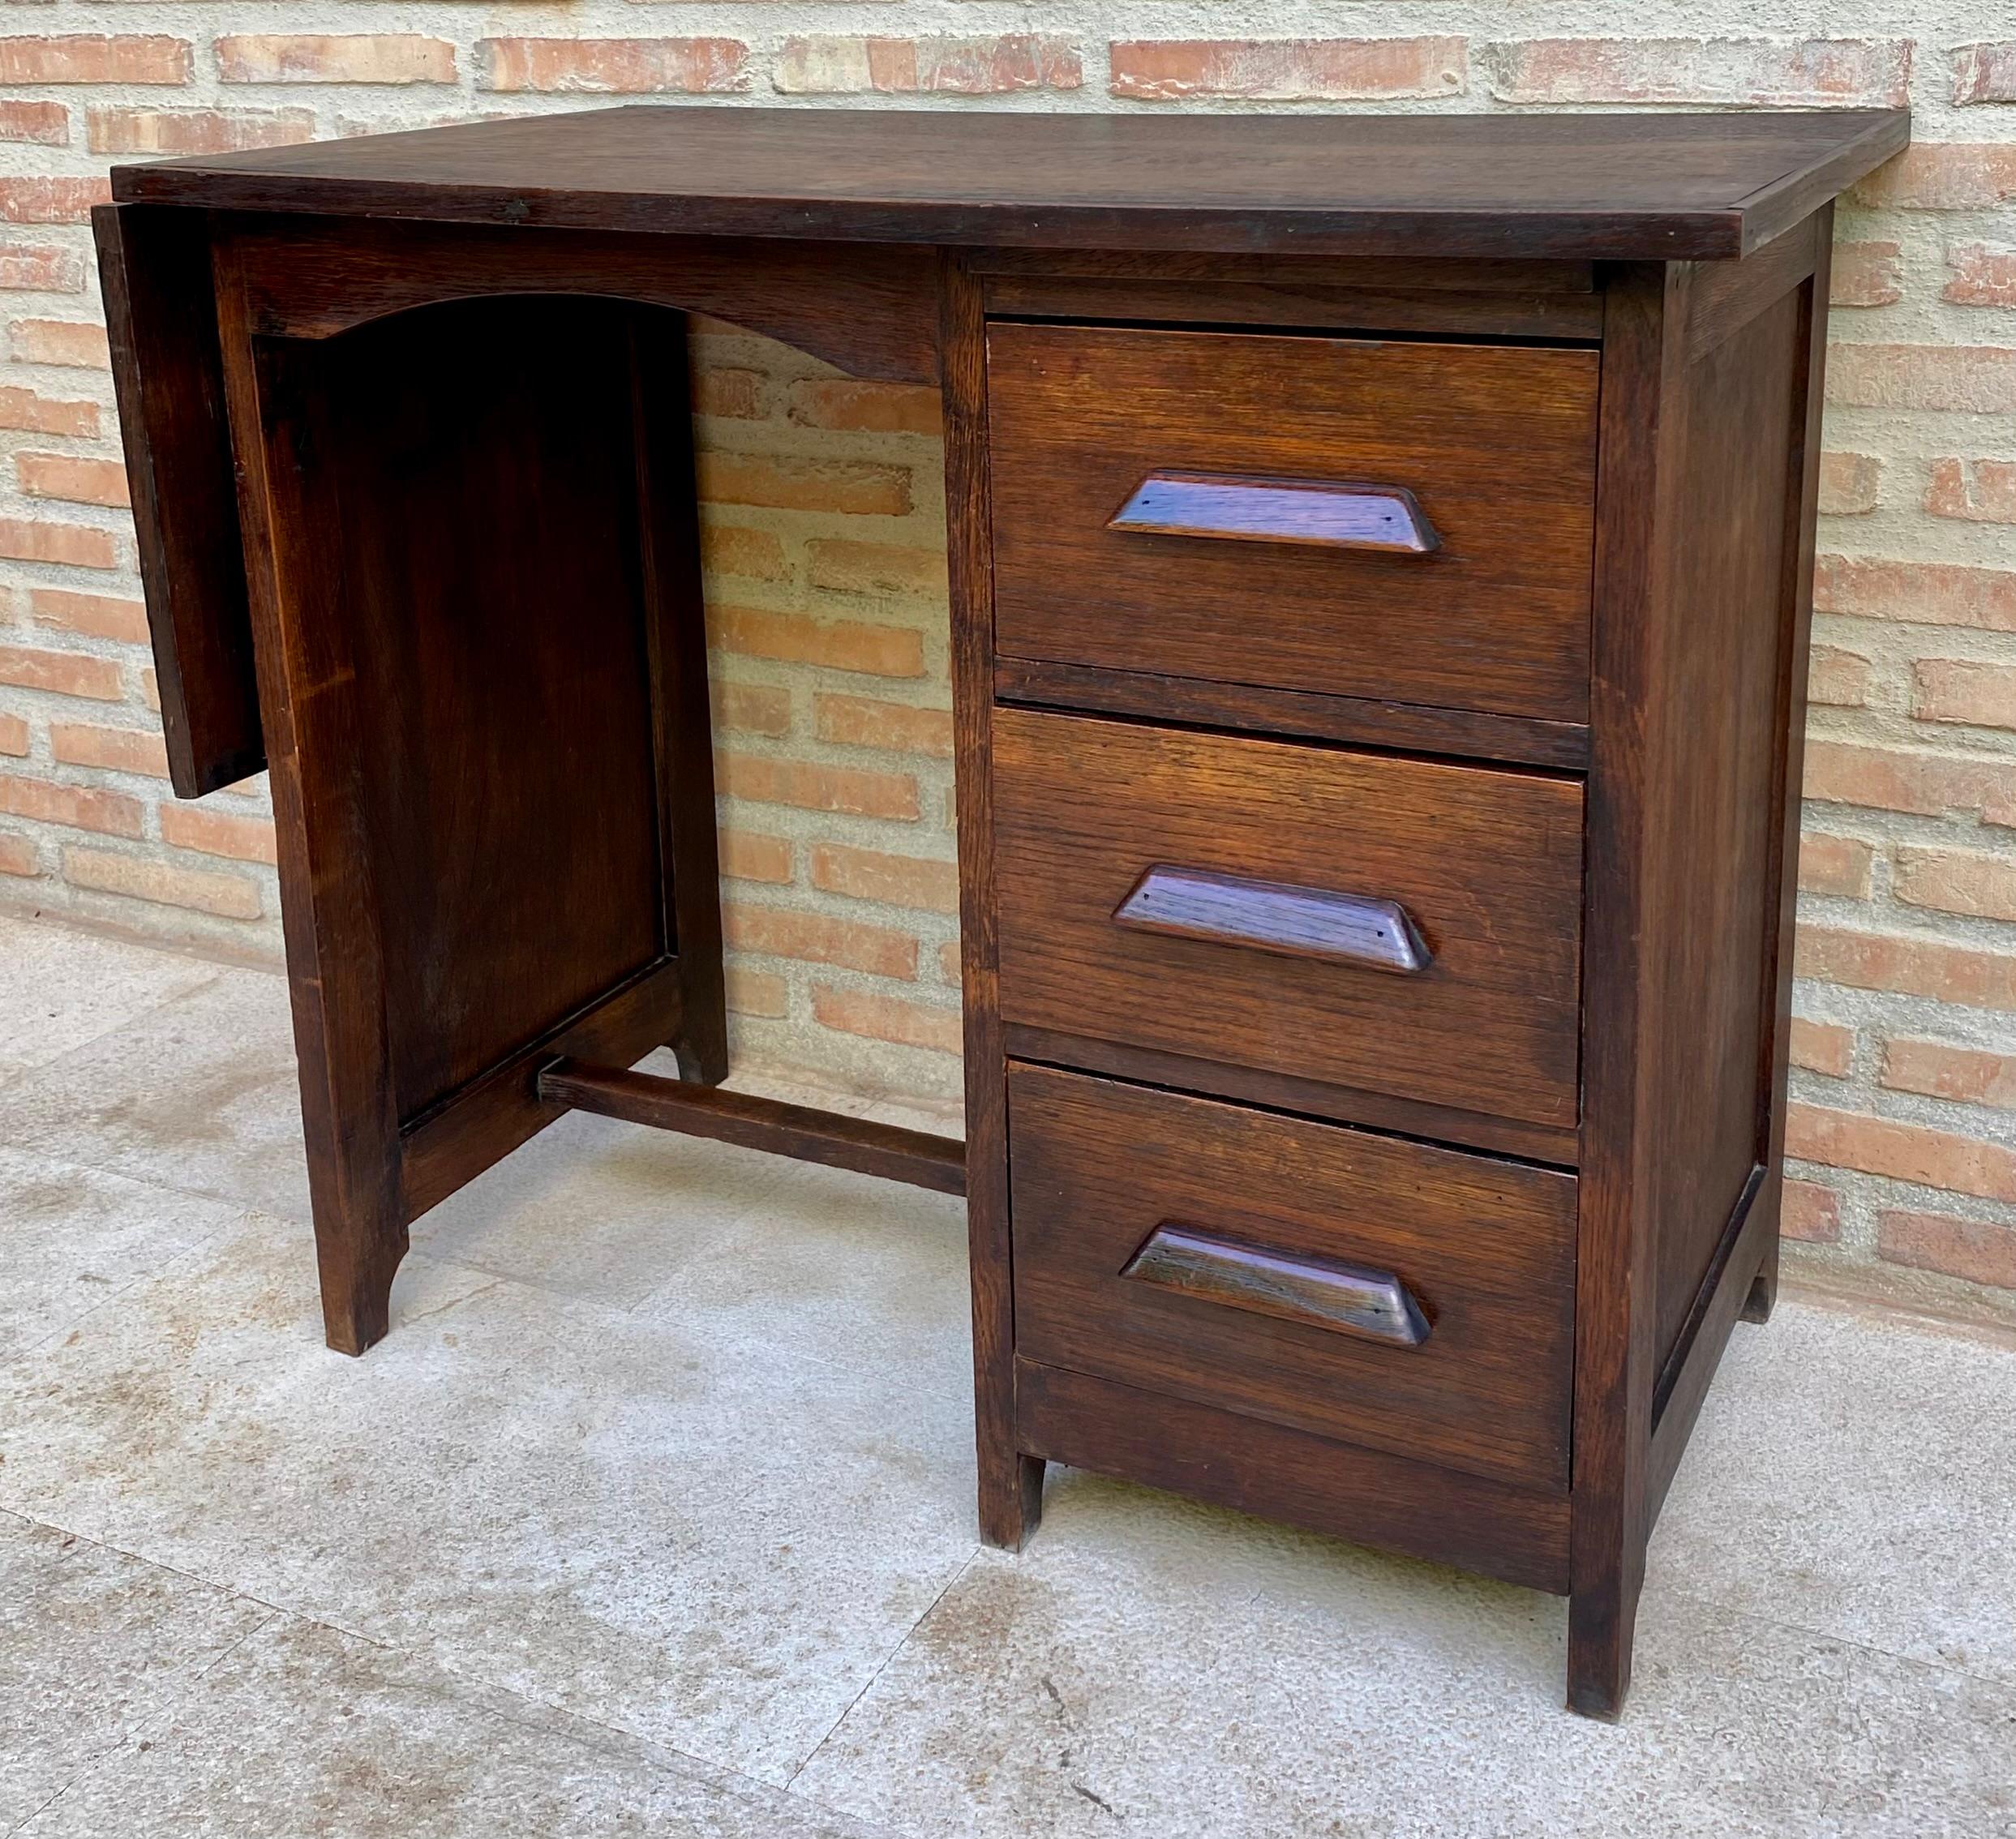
<point x="1414" y="1299"/>
<point x="1234" y="570"/>
<point x="1397" y="926"/>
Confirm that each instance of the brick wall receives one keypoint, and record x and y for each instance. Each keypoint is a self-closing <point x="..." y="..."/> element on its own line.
<point x="824" y="513"/>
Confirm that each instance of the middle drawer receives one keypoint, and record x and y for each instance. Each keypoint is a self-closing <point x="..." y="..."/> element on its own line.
<point x="1393" y="925"/>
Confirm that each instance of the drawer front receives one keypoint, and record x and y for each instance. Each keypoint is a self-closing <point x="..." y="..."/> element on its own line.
<point x="1384" y="1293"/>
<point x="1396" y="926"/>
<point x="1229" y="567"/>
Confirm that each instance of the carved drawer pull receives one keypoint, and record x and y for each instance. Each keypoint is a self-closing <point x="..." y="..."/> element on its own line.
<point x="1341" y="929"/>
<point x="1328" y="513"/>
<point x="1323" y="1292"/>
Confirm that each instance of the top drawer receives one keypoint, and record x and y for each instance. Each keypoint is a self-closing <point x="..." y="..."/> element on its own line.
<point x="1496" y="444"/>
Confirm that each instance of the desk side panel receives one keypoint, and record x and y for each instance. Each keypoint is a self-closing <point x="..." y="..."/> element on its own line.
<point x="168" y="369"/>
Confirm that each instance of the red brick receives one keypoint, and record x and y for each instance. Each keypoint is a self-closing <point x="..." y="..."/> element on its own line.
<point x="1970" y="379"/>
<point x="47" y="123"/>
<point x="748" y="855"/>
<point x="1834" y="865"/>
<point x="880" y="1018"/>
<point x="13" y="735"/>
<point x="1931" y="593"/>
<point x="116" y="750"/>
<point x="829" y="66"/>
<point x="1822" y="1046"/>
<point x="218" y="832"/>
<point x="814" y="787"/>
<point x="875" y="568"/>
<point x="1754" y="73"/>
<point x="613" y="66"/>
<point x="898" y="727"/>
<point x="96" y="616"/>
<point x="1957" y="881"/>
<point x="1840" y="679"/>
<point x="865" y="408"/>
<point x="734" y="549"/>
<point x="839" y="644"/>
<point x="1901" y="1152"/>
<point x="63" y="673"/>
<point x="18" y="855"/>
<point x="40" y="415"/>
<point x="735" y="395"/>
<point x="752" y="709"/>
<point x="82" y="545"/>
<point x="1976" y="1250"/>
<point x="1959" y="690"/>
<point x="229" y="897"/>
<point x="313" y="56"/>
<point x="43" y="200"/>
<point x="81" y="808"/>
<point x="816" y="938"/>
<point x="756" y="992"/>
<point x="76" y="480"/>
<point x="1929" y="785"/>
<point x="1811" y="1212"/>
<point x="74" y="343"/>
<point x="40" y="268"/>
<point x="115" y="128"/>
<point x="1866" y="274"/>
<point x="94" y="58"/>
<point x="1984" y="73"/>
<point x="1982" y="276"/>
<point x="1849" y="484"/>
<point x="1874" y="961"/>
<point x="1935" y="176"/>
<point x="787" y="483"/>
<point x="1983" y="492"/>
<point x="896" y="881"/>
<point x="1966" y="1075"/>
<point x="1288" y="70"/>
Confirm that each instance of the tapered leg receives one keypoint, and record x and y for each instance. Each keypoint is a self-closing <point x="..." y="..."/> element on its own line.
<point x="1603" y="1620"/>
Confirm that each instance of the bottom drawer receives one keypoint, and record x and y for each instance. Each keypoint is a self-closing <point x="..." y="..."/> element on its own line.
<point x="1385" y="1292"/>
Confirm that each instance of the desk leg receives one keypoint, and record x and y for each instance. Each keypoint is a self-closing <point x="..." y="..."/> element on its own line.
<point x="481" y="657"/>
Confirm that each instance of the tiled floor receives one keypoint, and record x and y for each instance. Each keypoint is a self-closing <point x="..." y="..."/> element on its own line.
<point x="653" y="1515"/>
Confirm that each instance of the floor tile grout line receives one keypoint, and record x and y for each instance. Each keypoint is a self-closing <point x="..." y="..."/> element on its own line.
<point x="143" y="1012"/>
<point x="901" y="1642"/>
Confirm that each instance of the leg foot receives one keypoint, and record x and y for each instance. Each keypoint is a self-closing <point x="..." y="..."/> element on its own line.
<point x="357" y="1275"/>
<point x="1601" y="1625"/>
<point x="1010" y="1499"/>
<point x="1764" y="1287"/>
<point x="701" y="1062"/>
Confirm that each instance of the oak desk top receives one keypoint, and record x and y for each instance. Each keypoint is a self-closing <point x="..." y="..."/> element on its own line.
<point x="1677" y="187"/>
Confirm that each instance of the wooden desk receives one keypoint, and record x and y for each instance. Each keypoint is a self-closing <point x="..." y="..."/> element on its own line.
<point x="1381" y="553"/>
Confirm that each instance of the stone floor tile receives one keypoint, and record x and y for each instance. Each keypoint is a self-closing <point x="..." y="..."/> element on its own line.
<point x="63" y="987"/>
<point x="199" y="1094"/>
<point x="1853" y="1476"/>
<point x="677" y="1528"/>
<point x="71" y="1238"/>
<point x="93" y="1645"/>
<point x="1150" y="1665"/>
<point x="303" y="1733"/>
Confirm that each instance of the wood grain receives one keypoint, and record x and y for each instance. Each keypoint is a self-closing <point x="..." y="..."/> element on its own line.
<point x="1488" y="865"/>
<point x="1497" y="619"/>
<point x="1487" y="1247"/>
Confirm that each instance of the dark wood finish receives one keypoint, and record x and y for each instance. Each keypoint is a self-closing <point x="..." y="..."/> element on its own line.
<point x="1370" y="1496"/>
<point x="1293" y="714"/>
<point x="1322" y="1292"/>
<point x="871" y="310"/>
<point x="1497" y="618"/>
<point x="1658" y="187"/>
<point x="1488" y="1247"/>
<point x="462" y="565"/>
<point x="168" y="370"/>
<point x="1553" y="1145"/>
<point x="1010" y="1479"/>
<point x="1235" y="910"/>
<point x="1322" y="514"/>
<point x="830" y="1138"/>
<point x="1488" y="863"/>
